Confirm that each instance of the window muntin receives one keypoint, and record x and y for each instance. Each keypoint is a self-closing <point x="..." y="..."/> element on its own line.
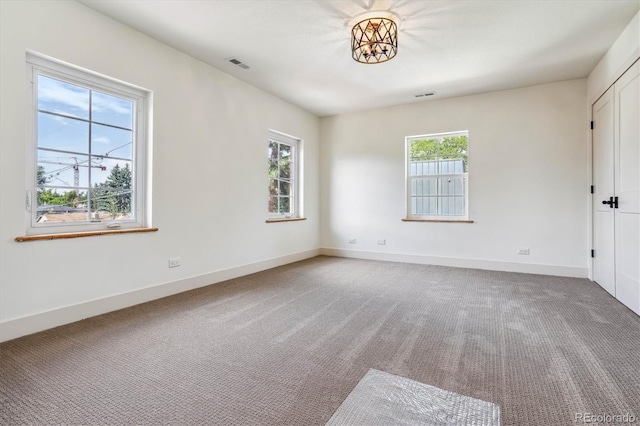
<point x="89" y="152"/>
<point x="437" y="176"/>
<point x="283" y="169"/>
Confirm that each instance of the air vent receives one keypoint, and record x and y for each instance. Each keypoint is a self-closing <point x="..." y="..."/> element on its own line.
<point x="420" y="95"/>
<point x="234" y="61"/>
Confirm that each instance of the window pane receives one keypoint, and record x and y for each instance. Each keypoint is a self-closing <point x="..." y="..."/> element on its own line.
<point x="111" y="173"/>
<point x="459" y="206"/>
<point x="437" y="155"/>
<point x="66" y="134"/>
<point x="62" y="98"/>
<point x="273" y="204"/>
<point x="449" y="167"/>
<point x="111" y="110"/>
<point x="285" y="205"/>
<point x="58" y="169"/>
<point x="424" y="205"/>
<point x="285" y="151"/>
<point x="454" y="148"/>
<point x="445" y="204"/>
<point x="111" y="142"/>
<point x="273" y="170"/>
<point x="424" y="186"/>
<point x="281" y="171"/>
<point x="285" y="188"/>
<point x="111" y="193"/>
<point x="285" y="168"/>
<point x="419" y="187"/>
<point x="111" y="204"/>
<point x="451" y="186"/>
<point x="417" y="168"/>
<point x="451" y="206"/>
<point x="273" y="187"/>
<point x="423" y="149"/>
<point x="61" y="205"/>
<point x="85" y="146"/>
<point x="272" y="152"/>
<point x="416" y="205"/>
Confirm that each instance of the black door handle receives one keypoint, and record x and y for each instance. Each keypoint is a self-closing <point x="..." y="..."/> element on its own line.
<point x="613" y="202"/>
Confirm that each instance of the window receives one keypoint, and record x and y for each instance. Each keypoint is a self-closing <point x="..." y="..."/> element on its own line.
<point x="283" y="157"/>
<point x="437" y="176"/>
<point x="89" y="158"/>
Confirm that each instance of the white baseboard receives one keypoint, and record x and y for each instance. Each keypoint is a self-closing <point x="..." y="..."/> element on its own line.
<point x="492" y="265"/>
<point x="23" y="326"/>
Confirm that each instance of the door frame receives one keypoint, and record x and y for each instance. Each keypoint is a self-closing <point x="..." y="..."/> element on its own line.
<point x="592" y="98"/>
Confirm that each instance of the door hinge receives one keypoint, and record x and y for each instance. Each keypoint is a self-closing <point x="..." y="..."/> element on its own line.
<point x="592" y="125"/>
<point x="593" y="253"/>
<point x="592" y="189"/>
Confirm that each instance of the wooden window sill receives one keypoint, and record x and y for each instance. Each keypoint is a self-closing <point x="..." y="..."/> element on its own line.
<point x="437" y="220"/>
<point x="286" y="219"/>
<point x="82" y="234"/>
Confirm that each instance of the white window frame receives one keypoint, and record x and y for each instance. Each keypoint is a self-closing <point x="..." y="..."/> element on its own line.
<point x="296" y="174"/>
<point x="38" y="64"/>
<point x="409" y="179"/>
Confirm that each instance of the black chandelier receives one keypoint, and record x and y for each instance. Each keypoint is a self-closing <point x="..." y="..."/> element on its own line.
<point x="374" y="40"/>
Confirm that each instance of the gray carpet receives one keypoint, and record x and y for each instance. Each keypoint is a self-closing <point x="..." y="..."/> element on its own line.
<point x="288" y="345"/>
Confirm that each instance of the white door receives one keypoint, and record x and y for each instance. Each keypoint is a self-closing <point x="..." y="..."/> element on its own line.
<point x="627" y="188"/>
<point x="603" y="179"/>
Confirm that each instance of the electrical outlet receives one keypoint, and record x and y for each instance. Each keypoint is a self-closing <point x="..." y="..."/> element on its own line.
<point x="352" y="241"/>
<point x="174" y="262"/>
<point x="382" y="242"/>
<point x="523" y="251"/>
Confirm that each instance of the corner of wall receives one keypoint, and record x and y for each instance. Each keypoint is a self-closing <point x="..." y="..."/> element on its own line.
<point x="620" y="56"/>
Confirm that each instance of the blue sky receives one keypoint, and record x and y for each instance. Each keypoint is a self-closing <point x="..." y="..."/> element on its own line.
<point x="71" y="134"/>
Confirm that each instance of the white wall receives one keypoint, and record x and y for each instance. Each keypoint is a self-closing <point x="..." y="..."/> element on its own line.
<point x="209" y="179"/>
<point x="528" y="181"/>
<point x="529" y="170"/>
<point x="620" y="56"/>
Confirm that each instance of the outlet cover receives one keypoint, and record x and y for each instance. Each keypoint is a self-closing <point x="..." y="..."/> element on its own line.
<point x="382" y="242"/>
<point x="523" y="251"/>
<point x="352" y="241"/>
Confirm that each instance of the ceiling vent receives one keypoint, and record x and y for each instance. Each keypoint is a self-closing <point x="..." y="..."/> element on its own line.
<point x="420" y="95"/>
<point x="234" y="61"/>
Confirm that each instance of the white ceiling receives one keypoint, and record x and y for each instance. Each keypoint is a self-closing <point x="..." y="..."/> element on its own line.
<point x="299" y="50"/>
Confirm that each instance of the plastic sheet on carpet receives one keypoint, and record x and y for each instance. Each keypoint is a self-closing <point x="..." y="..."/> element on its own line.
<point x="383" y="399"/>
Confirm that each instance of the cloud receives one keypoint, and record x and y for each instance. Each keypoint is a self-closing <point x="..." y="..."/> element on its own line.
<point x="102" y="139"/>
<point x="110" y="104"/>
<point x="73" y="100"/>
<point x="62" y="96"/>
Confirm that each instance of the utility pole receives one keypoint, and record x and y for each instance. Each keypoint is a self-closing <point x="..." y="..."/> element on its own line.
<point x="76" y="172"/>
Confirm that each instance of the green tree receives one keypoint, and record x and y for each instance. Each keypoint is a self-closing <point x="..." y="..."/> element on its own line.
<point x="48" y="196"/>
<point x="114" y="194"/>
<point x="449" y="148"/>
<point x="41" y="179"/>
<point x="51" y="197"/>
<point x="45" y="196"/>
